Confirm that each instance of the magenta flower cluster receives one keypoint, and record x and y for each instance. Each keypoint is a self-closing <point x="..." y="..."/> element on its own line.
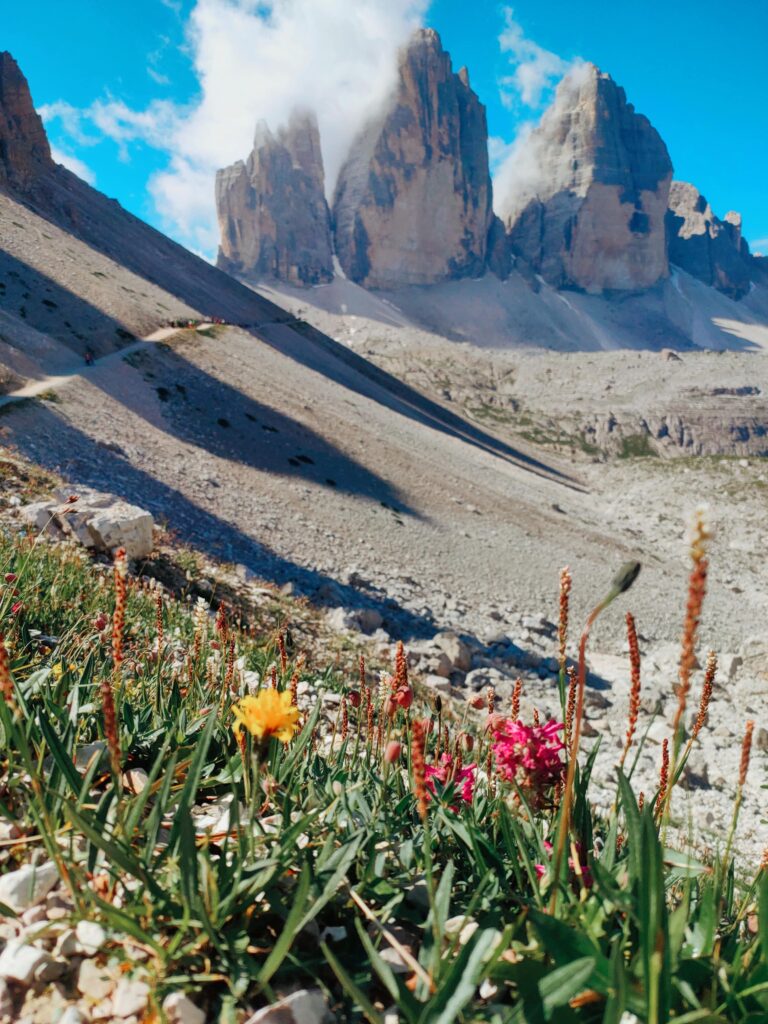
<point x="530" y="756"/>
<point x="463" y="777"/>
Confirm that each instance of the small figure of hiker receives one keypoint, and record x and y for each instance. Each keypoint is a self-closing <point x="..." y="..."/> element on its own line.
<point x="89" y="357"/>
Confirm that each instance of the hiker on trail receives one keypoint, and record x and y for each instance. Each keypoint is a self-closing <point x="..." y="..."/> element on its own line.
<point x="89" y="357"/>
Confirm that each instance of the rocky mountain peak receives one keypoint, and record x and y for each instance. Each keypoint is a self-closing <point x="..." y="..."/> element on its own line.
<point x="273" y="217"/>
<point x="705" y="246"/>
<point x="413" y="199"/>
<point x="585" y="201"/>
<point x="24" y="150"/>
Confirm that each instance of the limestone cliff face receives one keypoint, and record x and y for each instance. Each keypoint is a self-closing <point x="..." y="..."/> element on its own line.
<point x="586" y="202"/>
<point x="273" y="217"/>
<point x="24" y="151"/>
<point x="413" y="199"/>
<point x="710" y="249"/>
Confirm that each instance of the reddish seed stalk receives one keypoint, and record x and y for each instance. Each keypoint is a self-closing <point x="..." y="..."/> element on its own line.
<point x="706" y="694"/>
<point x="118" y="616"/>
<point x="344" y="719"/>
<point x="746" y="749"/>
<point x="159" y="620"/>
<point x="400" y="678"/>
<point x="294" y="688"/>
<point x="570" y="708"/>
<point x="536" y="717"/>
<point x="562" y="631"/>
<point x="6" y="682"/>
<point x="641" y="801"/>
<point x="516" y="693"/>
<point x="634" y="690"/>
<point x="283" y="653"/>
<point x="663" y="776"/>
<point x="418" y="767"/>
<point x="230" y="675"/>
<point x="491" y="700"/>
<point x="697" y="585"/>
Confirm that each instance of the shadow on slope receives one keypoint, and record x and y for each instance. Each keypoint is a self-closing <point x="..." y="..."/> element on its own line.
<point x="88" y="463"/>
<point x="206" y="412"/>
<point x="104" y="225"/>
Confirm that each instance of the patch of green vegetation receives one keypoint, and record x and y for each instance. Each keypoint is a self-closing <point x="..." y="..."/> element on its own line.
<point x="311" y="840"/>
<point x="49" y="395"/>
<point x="491" y="413"/>
<point x="637" y="446"/>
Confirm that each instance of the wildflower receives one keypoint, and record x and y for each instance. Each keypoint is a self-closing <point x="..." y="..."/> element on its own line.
<point x="268" y="713"/>
<point x="60" y="668"/>
<point x="476" y="701"/>
<point x="530" y="757"/>
<point x="11" y="577"/>
<point x="448" y="771"/>
<point x="403" y="697"/>
<point x="354" y="698"/>
<point x="100" y="623"/>
<point x="392" y="751"/>
<point x="17" y="608"/>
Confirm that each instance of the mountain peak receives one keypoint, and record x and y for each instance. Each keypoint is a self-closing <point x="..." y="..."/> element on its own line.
<point x="24" y="150"/>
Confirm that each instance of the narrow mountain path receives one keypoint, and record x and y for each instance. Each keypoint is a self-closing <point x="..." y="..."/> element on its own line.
<point x="39" y="387"/>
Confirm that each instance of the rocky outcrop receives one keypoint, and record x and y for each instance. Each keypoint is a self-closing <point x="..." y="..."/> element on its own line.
<point x="273" y="216"/>
<point x="24" y="151"/>
<point x="413" y="199"/>
<point x="102" y="522"/>
<point x="586" y="197"/>
<point x="708" y="248"/>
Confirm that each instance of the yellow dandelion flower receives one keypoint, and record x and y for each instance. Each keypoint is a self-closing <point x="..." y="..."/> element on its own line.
<point x="60" y="668"/>
<point x="268" y="713"/>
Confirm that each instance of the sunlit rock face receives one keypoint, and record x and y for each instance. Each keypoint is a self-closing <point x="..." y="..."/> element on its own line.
<point x="585" y="201"/>
<point x="710" y="249"/>
<point x="24" y="151"/>
<point x="273" y="217"/>
<point x="413" y="199"/>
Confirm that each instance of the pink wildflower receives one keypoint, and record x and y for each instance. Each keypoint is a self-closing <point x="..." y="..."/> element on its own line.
<point x="463" y="779"/>
<point x="530" y="756"/>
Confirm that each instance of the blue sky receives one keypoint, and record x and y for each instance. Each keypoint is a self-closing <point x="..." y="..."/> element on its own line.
<point x="150" y="96"/>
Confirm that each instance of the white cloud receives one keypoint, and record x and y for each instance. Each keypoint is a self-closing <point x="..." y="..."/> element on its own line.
<point x="258" y="59"/>
<point x="74" y="164"/>
<point x="254" y="60"/>
<point x="534" y="69"/>
<point x="760" y="245"/>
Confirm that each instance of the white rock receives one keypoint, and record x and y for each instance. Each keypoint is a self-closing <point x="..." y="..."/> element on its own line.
<point x="90" y="937"/>
<point x="73" y="1016"/>
<point x="456" y="649"/>
<point x="25" y="887"/>
<point x="130" y="997"/>
<point x="94" y="981"/>
<point x="437" y="683"/>
<point x="307" y="1006"/>
<point x="179" y="1009"/>
<point x="19" y="962"/>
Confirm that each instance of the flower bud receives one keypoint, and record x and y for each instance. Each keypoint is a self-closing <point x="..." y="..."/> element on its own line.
<point x="468" y="741"/>
<point x="354" y="698"/>
<point x="392" y="751"/>
<point x="11" y="577"/>
<point x="477" y="701"/>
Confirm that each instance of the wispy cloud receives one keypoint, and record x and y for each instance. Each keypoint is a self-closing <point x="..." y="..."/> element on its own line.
<point x="760" y="245"/>
<point x="534" y="69"/>
<point x="74" y="164"/>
